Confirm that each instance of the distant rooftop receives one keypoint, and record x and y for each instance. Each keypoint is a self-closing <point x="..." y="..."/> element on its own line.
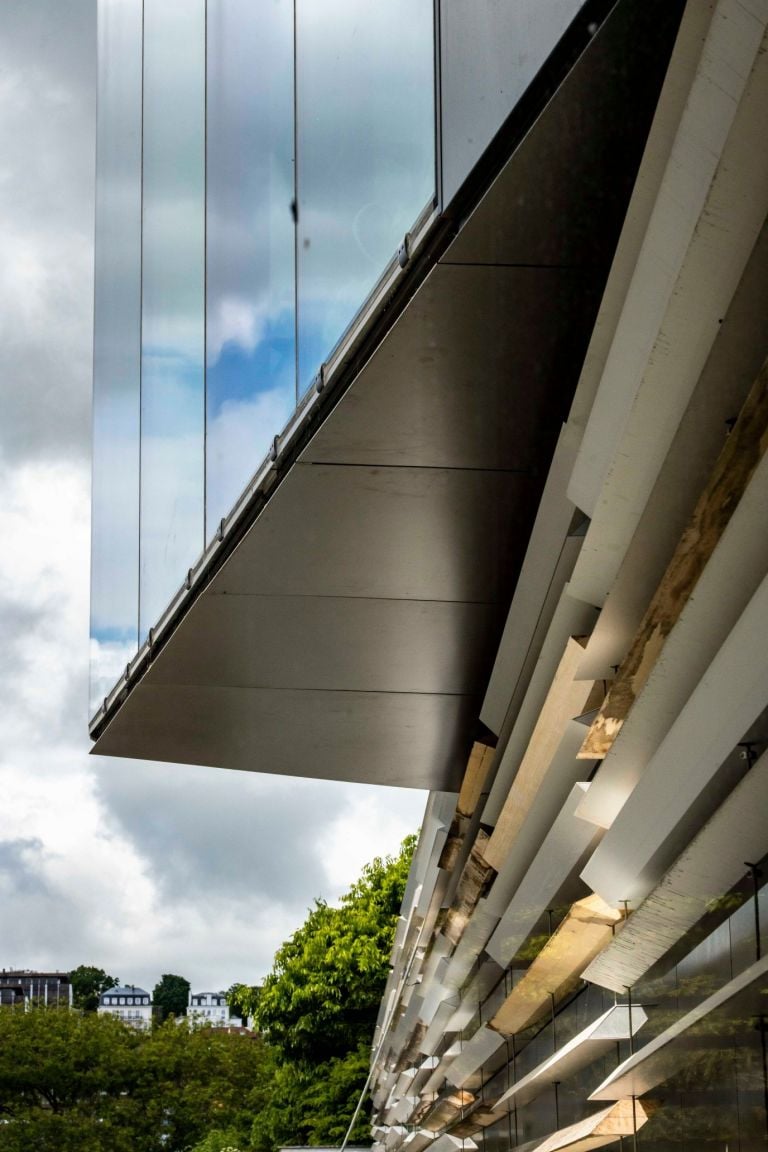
<point x="125" y="990"/>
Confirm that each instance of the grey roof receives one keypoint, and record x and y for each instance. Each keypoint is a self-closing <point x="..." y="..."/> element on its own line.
<point x="121" y="990"/>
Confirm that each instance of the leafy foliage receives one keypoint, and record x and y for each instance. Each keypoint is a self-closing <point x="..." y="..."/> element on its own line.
<point x="314" y="1105"/>
<point x="72" y="1082"/>
<point x="318" y="1009"/>
<point x="242" y="999"/>
<point x="171" y="996"/>
<point x="321" y="999"/>
<point x="88" y="983"/>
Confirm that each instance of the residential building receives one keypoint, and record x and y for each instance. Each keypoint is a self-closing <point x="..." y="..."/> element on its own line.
<point x="130" y="1004"/>
<point x="509" y="545"/>
<point x="12" y="996"/>
<point x="37" y="987"/>
<point x="208" y="1008"/>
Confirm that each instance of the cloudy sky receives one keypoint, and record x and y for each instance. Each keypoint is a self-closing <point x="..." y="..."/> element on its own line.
<point x="138" y="868"/>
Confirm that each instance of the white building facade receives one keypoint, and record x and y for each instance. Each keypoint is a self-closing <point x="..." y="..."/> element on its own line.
<point x="130" y="1004"/>
<point x="208" y="1008"/>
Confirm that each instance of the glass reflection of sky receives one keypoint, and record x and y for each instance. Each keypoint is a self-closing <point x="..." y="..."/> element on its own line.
<point x="172" y="371"/>
<point x="216" y="375"/>
<point x="115" y="511"/>
<point x="366" y="153"/>
<point x="250" y="287"/>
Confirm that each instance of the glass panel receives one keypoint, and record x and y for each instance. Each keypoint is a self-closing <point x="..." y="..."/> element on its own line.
<point x="743" y="937"/>
<point x="250" y="338"/>
<point x="115" y="515"/>
<point x="705" y="969"/>
<point x="366" y="153"/>
<point x="172" y="388"/>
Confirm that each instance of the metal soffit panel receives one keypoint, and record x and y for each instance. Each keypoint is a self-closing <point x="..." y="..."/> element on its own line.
<point x="347" y="644"/>
<point x="468" y="345"/>
<point x="406" y="740"/>
<point x="402" y="533"/>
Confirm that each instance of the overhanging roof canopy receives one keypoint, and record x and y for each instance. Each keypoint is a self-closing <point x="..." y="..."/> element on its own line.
<point x="350" y="632"/>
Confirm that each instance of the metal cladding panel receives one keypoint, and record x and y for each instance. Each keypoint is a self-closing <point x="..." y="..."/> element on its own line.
<point x="438" y="1028"/>
<point x="473" y="940"/>
<point x="598" y="1038"/>
<point x="390" y="533"/>
<point x="561" y="850"/>
<point x="537" y="584"/>
<point x="708" y="215"/>
<point x="466" y="347"/>
<point x="570" y="618"/>
<point x="734" y="362"/>
<point x="473" y="1054"/>
<point x="732" y="573"/>
<point x="403" y="740"/>
<point x="665" y="808"/>
<point x="360" y="644"/>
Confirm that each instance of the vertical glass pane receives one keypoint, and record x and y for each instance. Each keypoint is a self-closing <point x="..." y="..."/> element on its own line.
<point x="115" y="522"/>
<point x="366" y="153"/>
<point x="172" y="386"/>
<point x="250" y="339"/>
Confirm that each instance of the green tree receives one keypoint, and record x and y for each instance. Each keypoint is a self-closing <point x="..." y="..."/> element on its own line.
<point x="242" y="999"/>
<point x="318" y="1007"/>
<point x="194" y="1081"/>
<point x="88" y="983"/>
<point x="322" y="997"/>
<point x="72" y="1082"/>
<point x="218" y="1141"/>
<point x="171" y="996"/>
<point x="62" y="1079"/>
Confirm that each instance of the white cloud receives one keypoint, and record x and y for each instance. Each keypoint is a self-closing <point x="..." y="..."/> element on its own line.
<point x="373" y="822"/>
<point x="236" y="320"/>
<point x="239" y="436"/>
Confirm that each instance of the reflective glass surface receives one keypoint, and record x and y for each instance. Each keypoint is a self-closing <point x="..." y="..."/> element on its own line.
<point x="250" y="296"/>
<point x="115" y="512"/>
<point x="172" y="385"/>
<point x="206" y="219"/>
<point x="366" y="153"/>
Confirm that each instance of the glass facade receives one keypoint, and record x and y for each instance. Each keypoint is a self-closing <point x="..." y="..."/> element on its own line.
<point x="250" y="297"/>
<point x="246" y="206"/>
<point x="116" y="350"/>
<point x="716" y="1101"/>
<point x="172" y="288"/>
<point x="365" y="151"/>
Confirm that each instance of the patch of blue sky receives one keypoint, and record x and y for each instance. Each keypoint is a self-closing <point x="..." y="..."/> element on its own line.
<point x="114" y="634"/>
<point x="320" y="328"/>
<point x="239" y="373"/>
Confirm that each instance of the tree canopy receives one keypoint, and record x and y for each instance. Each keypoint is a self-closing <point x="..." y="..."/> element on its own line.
<point x="242" y="999"/>
<point x="318" y="1009"/>
<point x="88" y="983"/>
<point x="80" y="1082"/>
<point x="321" y="999"/>
<point x="171" y="996"/>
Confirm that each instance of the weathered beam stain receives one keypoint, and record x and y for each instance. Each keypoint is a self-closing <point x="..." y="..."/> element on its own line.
<point x="742" y="452"/>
